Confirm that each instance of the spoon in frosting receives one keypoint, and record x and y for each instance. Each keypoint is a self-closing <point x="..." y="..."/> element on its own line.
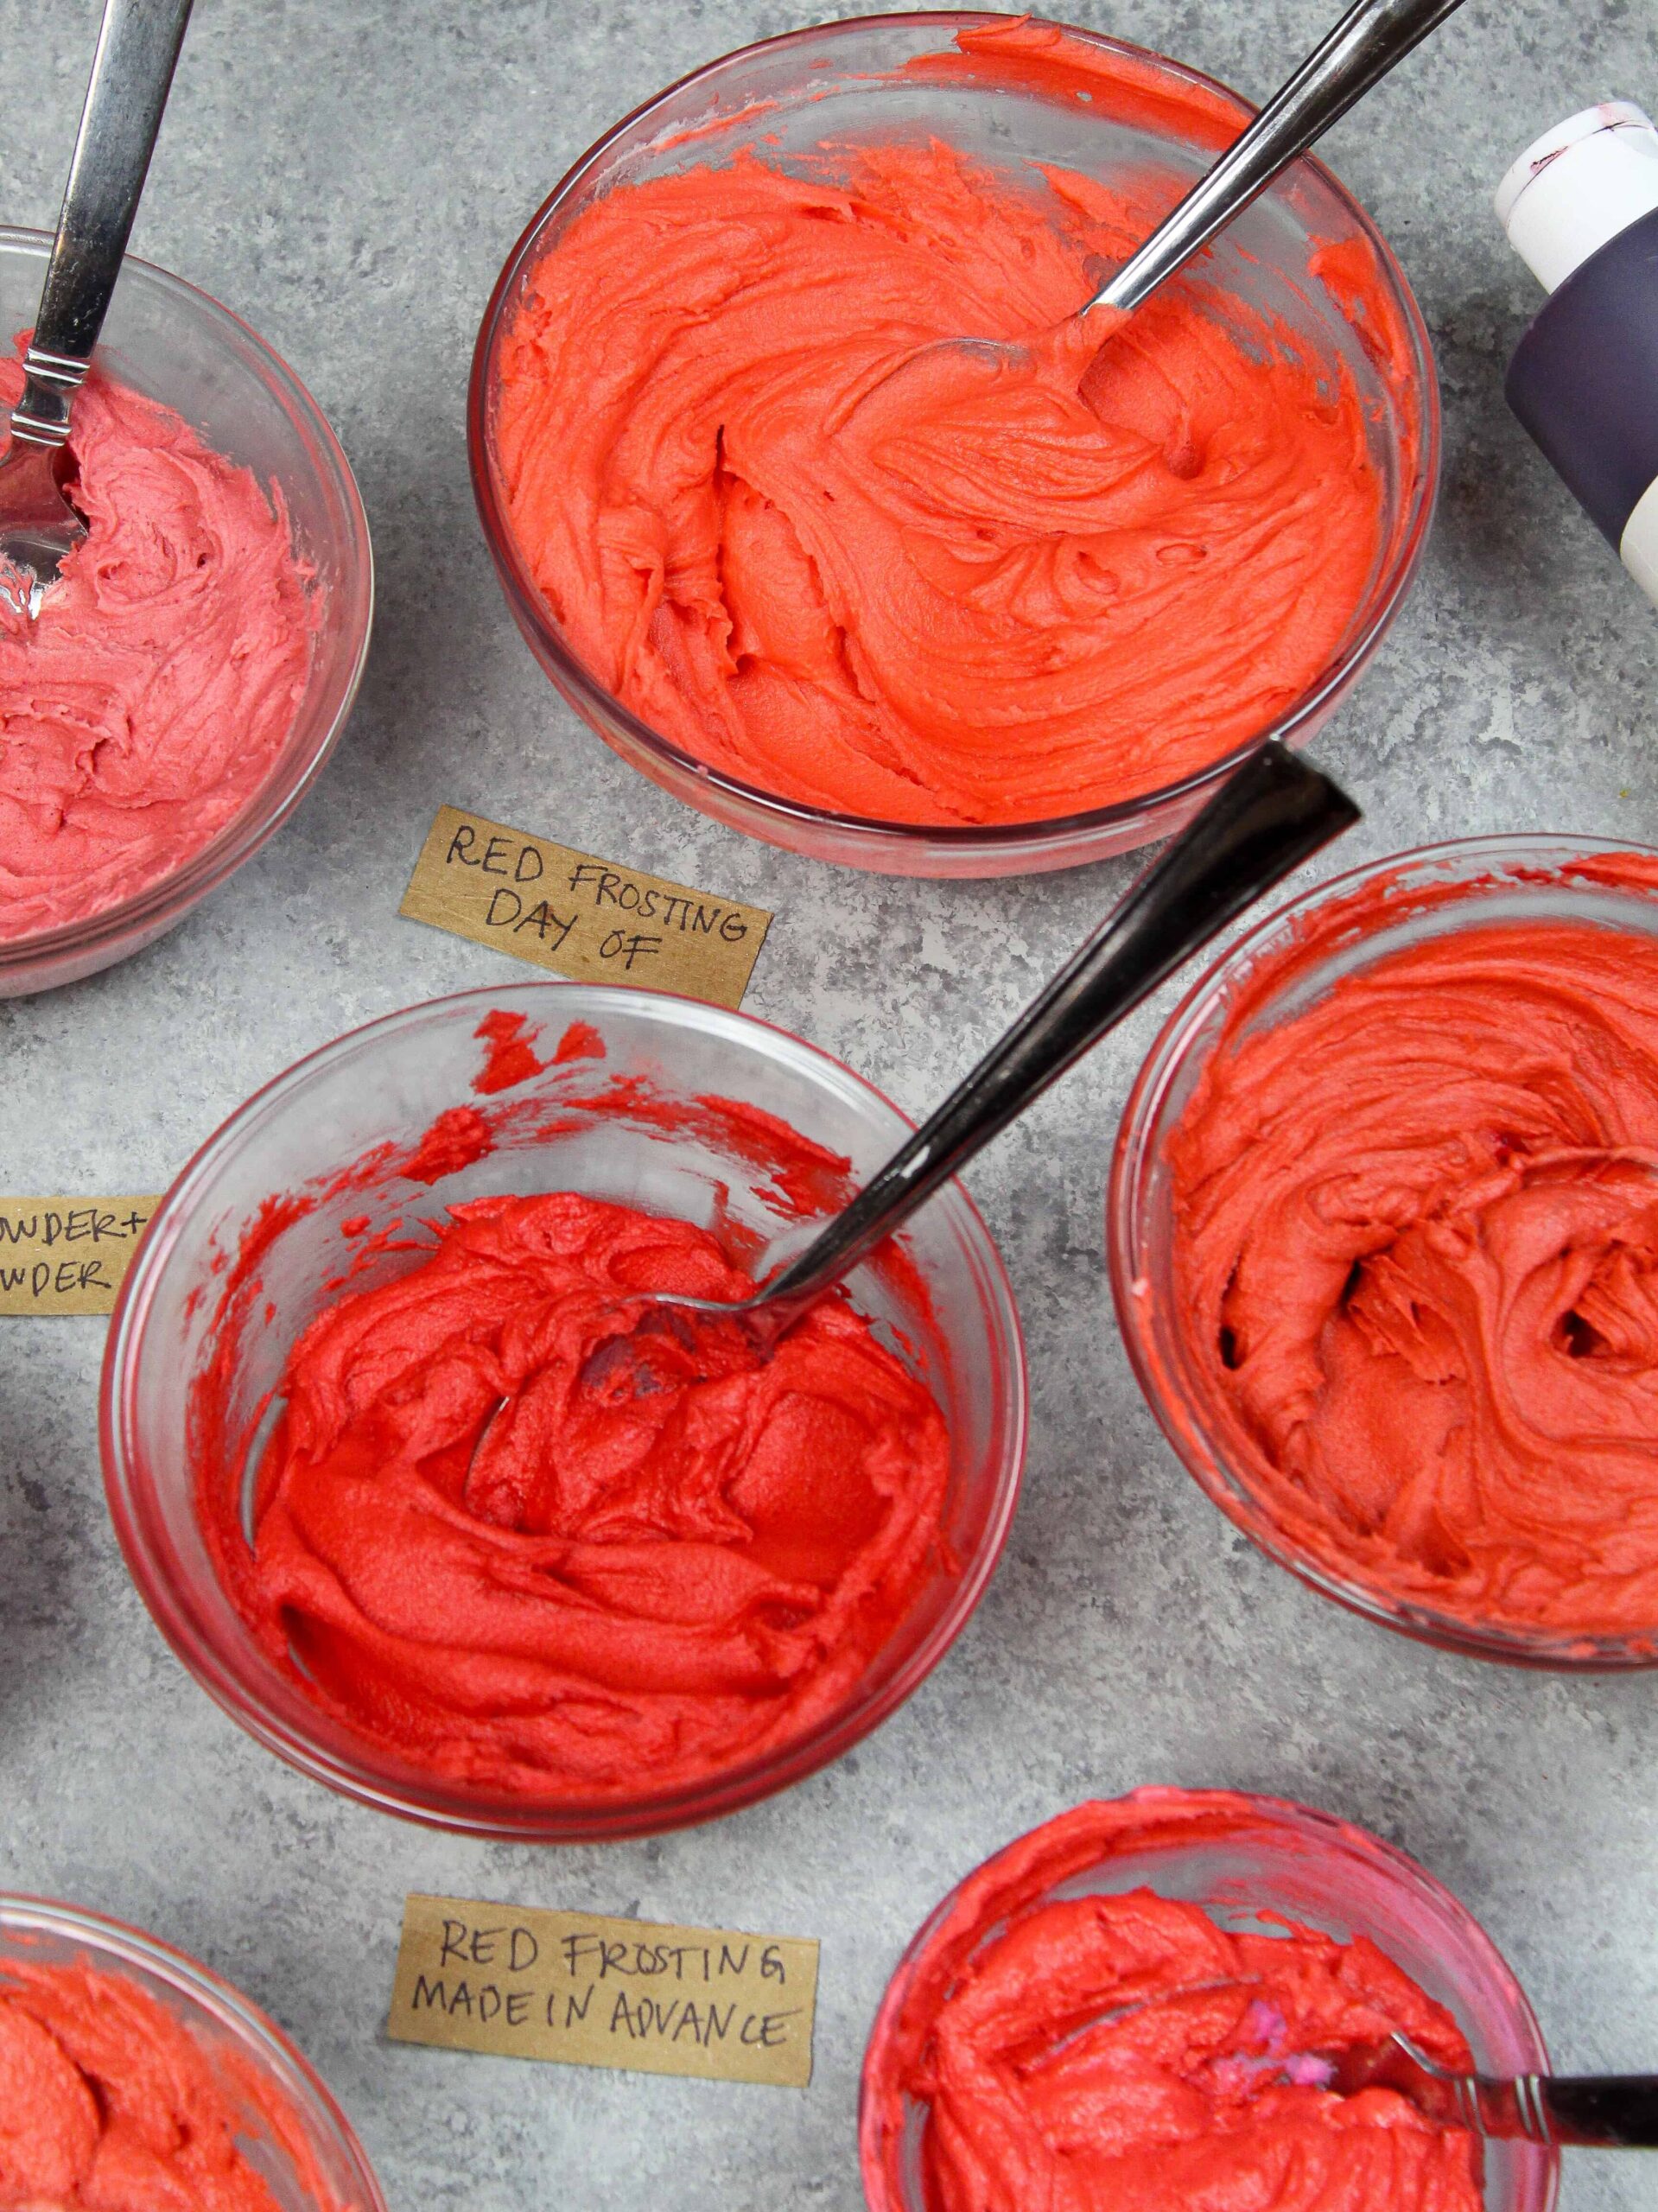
<point x="1589" y="2111"/>
<point x="132" y="72"/>
<point x="1273" y="813"/>
<point x="1367" y="41"/>
<point x="1610" y="2111"/>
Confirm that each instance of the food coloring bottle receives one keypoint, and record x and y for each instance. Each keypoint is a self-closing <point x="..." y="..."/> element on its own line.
<point x="1580" y="207"/>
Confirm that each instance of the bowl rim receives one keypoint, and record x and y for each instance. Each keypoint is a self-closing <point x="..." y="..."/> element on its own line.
<point x="1171" y="1052"/>
<point x="170" y="896"/>
<point x="961" y="841"/>
<point x="256" y="2033"/>
<point x="438" y="1804"/>
<point x="1266" y="1812"/>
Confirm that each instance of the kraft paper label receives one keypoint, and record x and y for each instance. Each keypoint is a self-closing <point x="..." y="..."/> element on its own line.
<point x="587" y="919"/>
<point x="67" y="1255"/>
<point x="584" y="1991"/>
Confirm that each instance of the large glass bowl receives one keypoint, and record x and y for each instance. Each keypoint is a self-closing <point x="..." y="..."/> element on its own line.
<point x="1271" y="1857"/>
<point x="943" y="1305"/>
<point x="866" y="78"/>
<point x="1433" y="891"/>
<point x="237" y="2039"/>
<point x="173" y="344"/>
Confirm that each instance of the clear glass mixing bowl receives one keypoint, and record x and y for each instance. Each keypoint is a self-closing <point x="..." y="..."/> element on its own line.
<point x="867" y="80"/>
<point x="236" y="2037"/>
<point x="1435" y="891"/>
<point x="386" y="1084"/>
<point x="165" y="339"/>
<point x="1274" y="1856"/>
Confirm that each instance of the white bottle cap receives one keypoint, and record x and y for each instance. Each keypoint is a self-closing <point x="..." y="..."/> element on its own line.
<point x="1577" y="186"/>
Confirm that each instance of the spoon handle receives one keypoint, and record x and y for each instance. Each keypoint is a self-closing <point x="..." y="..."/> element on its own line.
<point x="1366" y="43"/>
<point x="1265" y="820"/>
<point x="132" y="74"/>
<point x="1616" y="2110"/>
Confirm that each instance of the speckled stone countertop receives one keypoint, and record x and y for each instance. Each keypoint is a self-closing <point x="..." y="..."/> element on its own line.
<point x="348" y="175"/>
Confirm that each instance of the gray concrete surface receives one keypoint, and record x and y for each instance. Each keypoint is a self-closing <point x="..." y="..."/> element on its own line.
<point x="348" y="173"/>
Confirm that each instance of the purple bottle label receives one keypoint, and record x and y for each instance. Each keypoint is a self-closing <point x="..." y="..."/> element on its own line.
<point x="1584" y="380"/>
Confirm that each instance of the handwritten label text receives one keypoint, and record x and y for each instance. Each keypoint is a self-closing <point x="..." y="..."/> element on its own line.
<point x="67" y="1255"/>
<point x="581" y="917"/>
<point x="591" y="1992"/>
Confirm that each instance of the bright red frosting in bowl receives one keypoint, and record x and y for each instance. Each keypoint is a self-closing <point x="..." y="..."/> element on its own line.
<point x="531" y="1579"/>
<point x="920" y="582"/>
<point x="524" y="1549"/>
<point x="1126" y="2053"/>
<point x="108" y="2103"/>
<point x="1416" y="1262"/>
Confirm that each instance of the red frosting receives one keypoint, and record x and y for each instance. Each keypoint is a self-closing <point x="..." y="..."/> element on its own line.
<point x="837" y="559"/>
<point x="1416" y="1262"/>
<point x="524" y="1551"/>
<point x="535" y="1576"/>
<point x="1099" y="2053"/>
<point x="107" y="2101"/>
<point x="509" y="1055"/>
<point x="150" y="698"/>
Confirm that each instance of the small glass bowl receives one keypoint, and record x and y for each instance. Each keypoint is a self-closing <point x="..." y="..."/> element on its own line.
<point x="866" y="78"/>
<point x="1432" y="892"/>
<point x="237" y="2037"/>
<point x="386" y="1084"/>
<point x="1271" y="1857"/>
<point x="173" y="344"/>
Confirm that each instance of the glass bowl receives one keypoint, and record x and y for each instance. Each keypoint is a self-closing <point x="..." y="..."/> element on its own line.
<point x="1432" y="892"/>
<point x="868" y="79"/>
<point x="172" y="343"/>
<point x="940" y="1300"/>
<point x="1254" y="1855"/>
<point x="236" y="2038"/>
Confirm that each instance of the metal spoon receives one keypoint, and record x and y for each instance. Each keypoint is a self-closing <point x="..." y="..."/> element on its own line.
<point x="1592" y="2110"/>
<point x="132" y="72"/>
<point x="1364" y="46"/>
<point x="1613" y="2111"/>
<point x="1264" y="821"/>
<point x="1370" y="38"/>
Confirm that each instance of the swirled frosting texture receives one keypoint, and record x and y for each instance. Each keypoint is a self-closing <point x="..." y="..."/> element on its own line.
<point x="1416" y="1265"/>
<point x="108" y="2103"/>
<point x="921" y="582"/>
<point x="1124" y="2053"/>
<point x="529" y="1561"/>
<point x="150" y="699"/>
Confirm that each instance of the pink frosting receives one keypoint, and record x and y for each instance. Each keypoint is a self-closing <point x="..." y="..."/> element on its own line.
<point x="150" y="698"/>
